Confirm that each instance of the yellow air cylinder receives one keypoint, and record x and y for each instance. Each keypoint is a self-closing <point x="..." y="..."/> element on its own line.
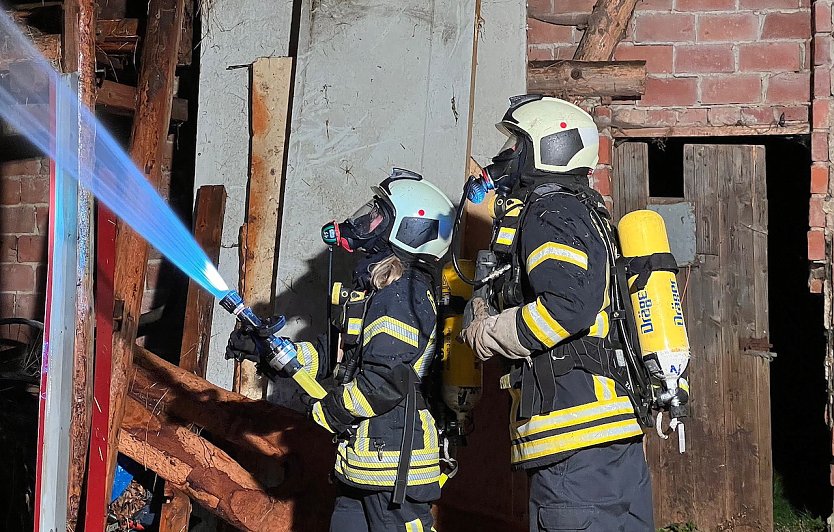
<point x="462" y="377"/>
<point x="657" y="307"/>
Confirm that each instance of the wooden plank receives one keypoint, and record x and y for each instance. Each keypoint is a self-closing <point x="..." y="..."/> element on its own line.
<point x="150" y="131"/>
<point x="119" y="98"/>
<point x="630" y="178"/>
<point x="747" y="491"/>
<point x="705" y="428"/>
<point x="614" y="79"/>
<point x="271" y="86"/>
<point x="199" y="307"/>
<point x="117" y="37"/>
<point x="629" y="130"/>
<point x="79" y="46"/>
<point x="175" y="511"/>
<point x="606" y="28"/>
<point x="702" y="190"/>
<point x="193" y="465"/>
<point x="759" y="230"/>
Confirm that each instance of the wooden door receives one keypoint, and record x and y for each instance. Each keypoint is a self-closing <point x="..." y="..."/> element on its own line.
<point x="724" y="480"/>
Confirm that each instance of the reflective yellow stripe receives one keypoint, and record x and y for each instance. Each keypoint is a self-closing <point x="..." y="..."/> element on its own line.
<point x="545" y="328"/>
<point x="604" y="388"/>
<point x="354" y="325"/>
<point x="388" y="459"/>
<point x="318" y="417"/>
<point x="308" y="357"/>
<point x="355" y="401"/>
<point x="561" y="252"/>
<point x="392" y="327"/>
<point x="505" y="236"/>
<point x="416" y="476"/>
<point x="684" y="384"/>
<point x="601" y="326"/>
<point x="414" y="526"/>
<point x="574" y="416"/>
<point x="577" y="439"/>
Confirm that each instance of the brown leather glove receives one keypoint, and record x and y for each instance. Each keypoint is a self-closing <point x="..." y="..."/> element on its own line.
<point x="493" y="335"/>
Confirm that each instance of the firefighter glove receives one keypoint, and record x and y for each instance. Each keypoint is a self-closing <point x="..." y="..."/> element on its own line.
<point x="242" y="346"/>
<point x="494" y="335"/>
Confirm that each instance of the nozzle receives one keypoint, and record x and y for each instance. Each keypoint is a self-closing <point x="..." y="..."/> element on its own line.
<point x="232" y="302"/>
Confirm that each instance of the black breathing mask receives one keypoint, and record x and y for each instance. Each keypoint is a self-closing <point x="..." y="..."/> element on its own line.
<point x="502" y="174"/>
<point x="364" y="231"/>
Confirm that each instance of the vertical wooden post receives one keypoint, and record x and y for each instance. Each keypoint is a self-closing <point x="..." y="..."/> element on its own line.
<point x="79" y="56"/>
<point x="150" y="129"/>
<point x="208" y="228"/>
<point x="271" y="88"/>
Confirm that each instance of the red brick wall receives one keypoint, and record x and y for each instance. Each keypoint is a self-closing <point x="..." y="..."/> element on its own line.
<point x="709" y="62"/>
<point x="24" y="218"/>
<point x="820" y="123"/>
<point x="760" y="63"/>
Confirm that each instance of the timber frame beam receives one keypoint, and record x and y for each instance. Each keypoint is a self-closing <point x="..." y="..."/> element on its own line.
<point x="613" y="79"/>
<point x="150" y="131"/>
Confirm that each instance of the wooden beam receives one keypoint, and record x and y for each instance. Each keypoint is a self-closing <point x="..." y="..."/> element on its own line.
<point x="79" y="56"/>
<point x="620" y="79"/>
<point x="259" y="427"/>
<point x="119" y="98"/>
<point x="271" y="86"/>
<point x="580" y="20"/>
<point x="117" y="36"/>
<point x="628" y="131"/>
<point x="199" y="305"/>
<point x="150" y="131"/>
<point x="49" y="47"/>
<point x="206" y="473"/>
<point x="606" y="28"/>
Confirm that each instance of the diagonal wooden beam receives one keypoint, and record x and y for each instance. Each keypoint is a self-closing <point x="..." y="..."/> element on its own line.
<point x="206" y="473"/>
<point x="150" y="131"/>
<point x="606" y="28"/>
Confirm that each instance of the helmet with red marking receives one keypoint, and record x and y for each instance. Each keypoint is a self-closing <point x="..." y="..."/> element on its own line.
<point x="564" y="138"/>
<point x="407" y="211"/>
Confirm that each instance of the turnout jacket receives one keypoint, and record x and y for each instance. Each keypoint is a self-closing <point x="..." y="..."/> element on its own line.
<point x="395" y="343"/>
<point x="567" y="399"/>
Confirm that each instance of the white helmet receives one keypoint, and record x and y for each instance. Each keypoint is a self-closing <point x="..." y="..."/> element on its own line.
<point x="564" y="137"/>
<point x="423" y="217"/>
<point x="410" y="213"/>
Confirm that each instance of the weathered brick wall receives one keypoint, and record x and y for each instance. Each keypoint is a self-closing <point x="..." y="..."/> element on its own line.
<point x="24" y="219"/>
<point x="758" y="63"/>
<point x="709" y="62"/>
<point x="820" y="123"/>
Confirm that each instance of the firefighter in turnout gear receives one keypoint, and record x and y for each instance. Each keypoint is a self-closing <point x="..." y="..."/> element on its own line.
<point x="573" y="426"/>
<point x="387" y="462"/>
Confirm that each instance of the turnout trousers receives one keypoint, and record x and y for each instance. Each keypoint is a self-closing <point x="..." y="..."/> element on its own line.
<point x="359" y="510"/>
<point x="597" y="489"/>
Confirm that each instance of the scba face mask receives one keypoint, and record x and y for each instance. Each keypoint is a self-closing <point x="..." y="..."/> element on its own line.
<point x="361" y="231"/>
<point x="502" y="174"/>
